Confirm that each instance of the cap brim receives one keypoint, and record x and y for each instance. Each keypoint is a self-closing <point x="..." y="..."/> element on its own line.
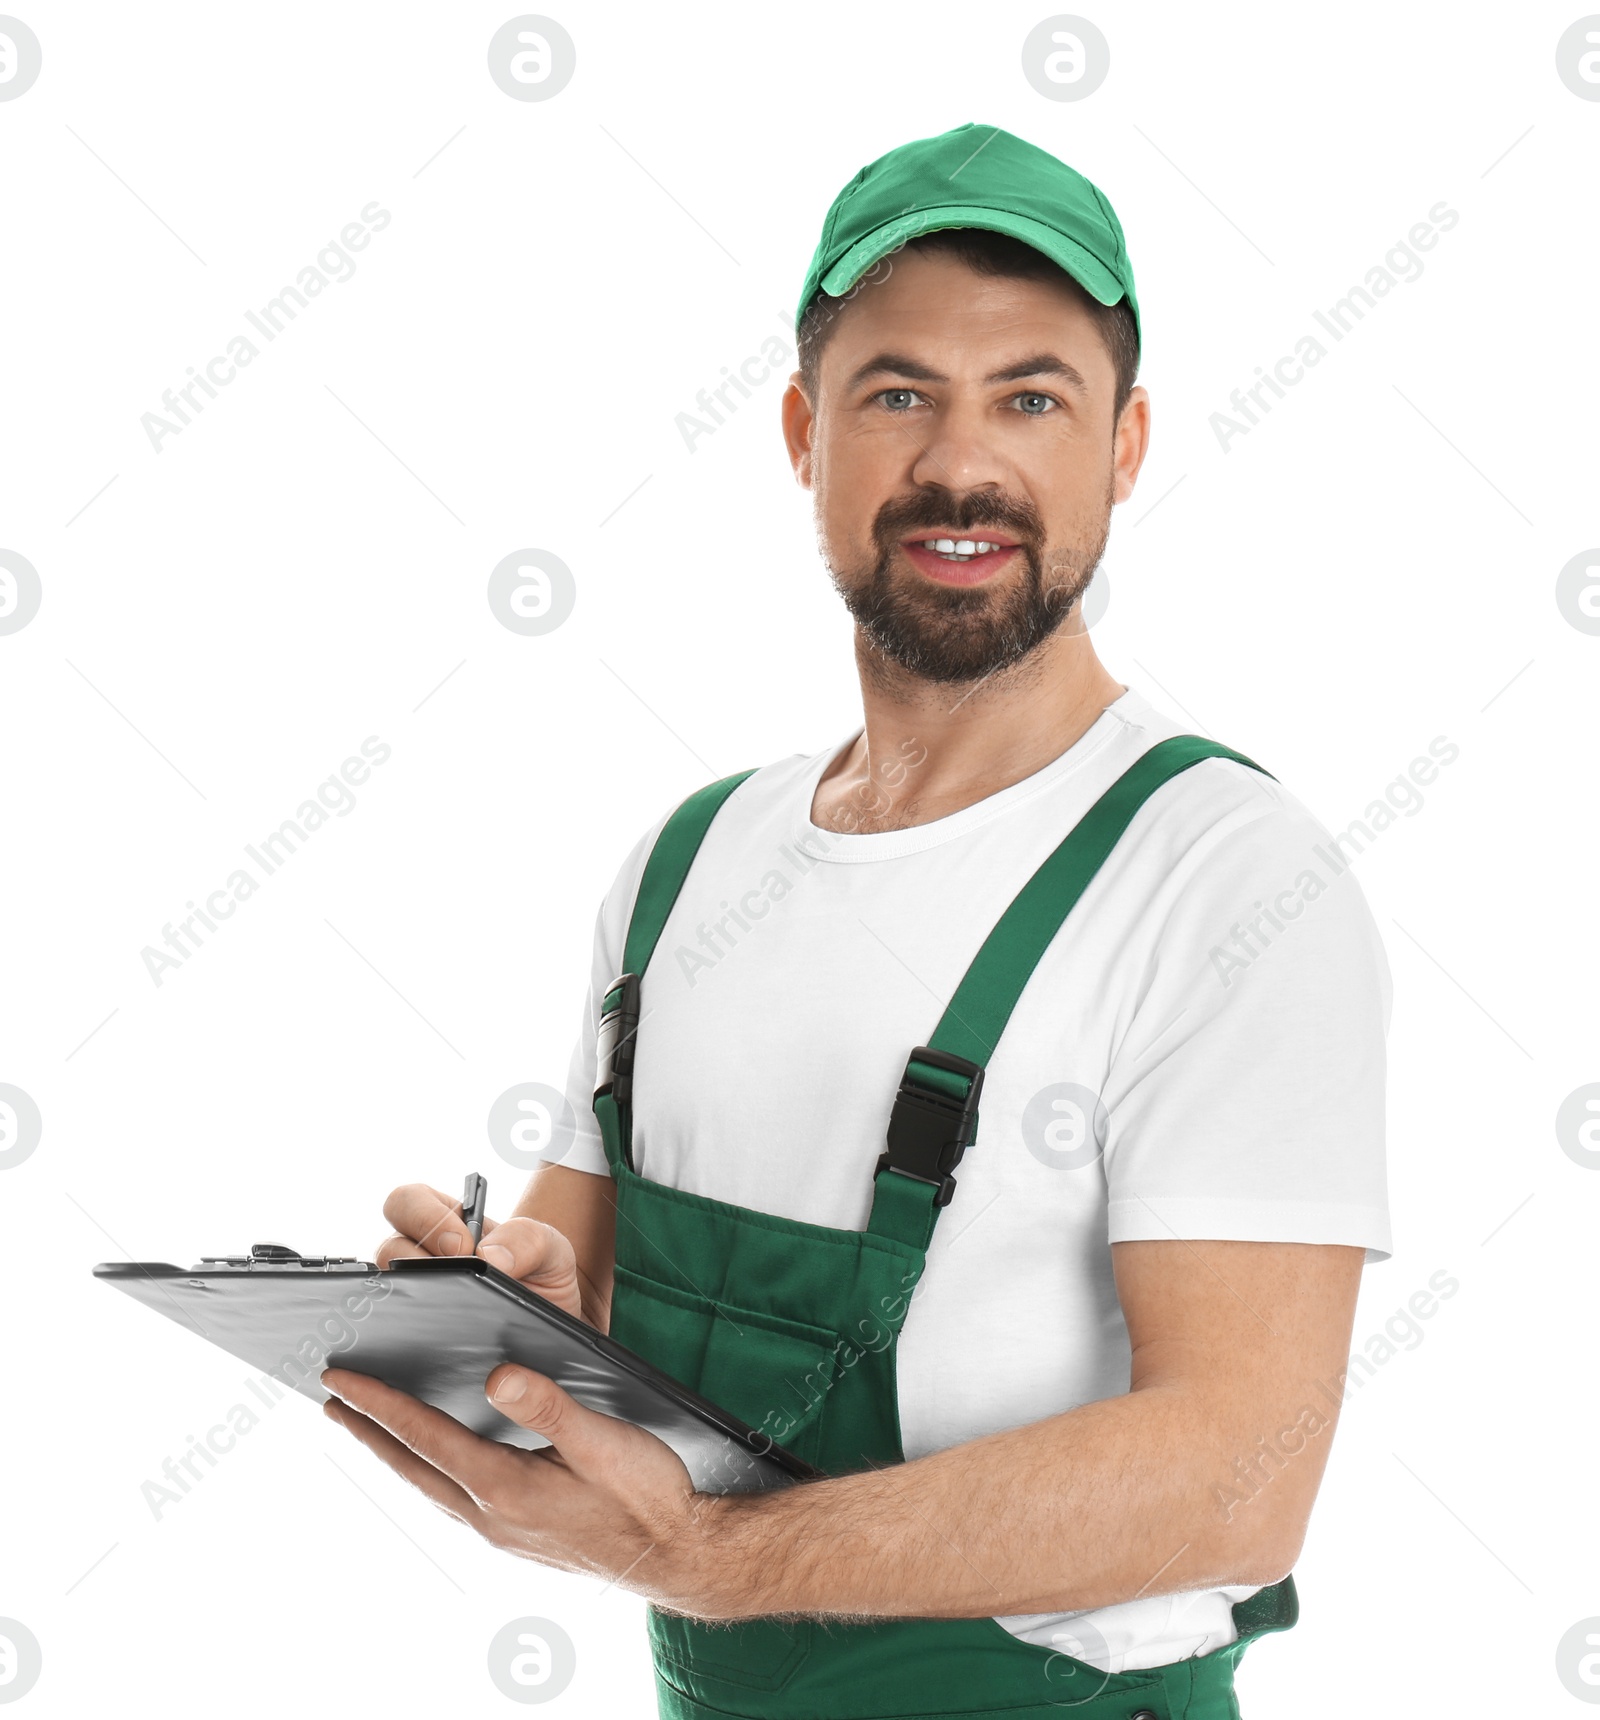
<point x="1084" y="267"/>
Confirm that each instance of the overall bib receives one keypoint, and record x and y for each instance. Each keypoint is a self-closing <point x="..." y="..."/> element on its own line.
<point x="793" y="1327"/>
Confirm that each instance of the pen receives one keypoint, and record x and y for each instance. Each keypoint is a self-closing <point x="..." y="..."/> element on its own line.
<point x="473" y="1198"/>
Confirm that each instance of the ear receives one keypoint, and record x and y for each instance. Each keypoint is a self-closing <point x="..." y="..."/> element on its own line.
<point x="1130" y="444"/>
<point x="799" y="424"/>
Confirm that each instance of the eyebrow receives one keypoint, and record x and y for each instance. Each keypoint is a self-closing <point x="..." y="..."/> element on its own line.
<point x="1040" y="364"/>
<point x="1035" y="364"/>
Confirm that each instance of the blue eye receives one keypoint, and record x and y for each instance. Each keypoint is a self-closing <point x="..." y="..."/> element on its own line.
<point x="898" y="399"/>
<point x="1034" y="405"/>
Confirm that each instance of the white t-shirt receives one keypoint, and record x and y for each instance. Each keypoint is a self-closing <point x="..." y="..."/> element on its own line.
<point x="1220" y="990"/>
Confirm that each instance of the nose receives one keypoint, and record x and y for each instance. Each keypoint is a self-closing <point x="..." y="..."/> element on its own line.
<point x="953" y="449"/>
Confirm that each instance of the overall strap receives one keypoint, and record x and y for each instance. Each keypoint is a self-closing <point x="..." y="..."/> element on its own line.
<point x="936" y="1110"/>
<point x="664" y="872"/>
<point x="668" y="866"/>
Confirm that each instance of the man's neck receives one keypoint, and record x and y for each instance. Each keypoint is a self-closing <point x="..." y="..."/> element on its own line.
<point x="926" y="750"/>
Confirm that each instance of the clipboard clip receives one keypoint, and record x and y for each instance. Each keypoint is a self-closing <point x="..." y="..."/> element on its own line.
<point x="274" y="1256"/>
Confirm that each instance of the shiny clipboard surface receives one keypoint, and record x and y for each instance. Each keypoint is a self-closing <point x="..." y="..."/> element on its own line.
<point x="437" y="1329"/>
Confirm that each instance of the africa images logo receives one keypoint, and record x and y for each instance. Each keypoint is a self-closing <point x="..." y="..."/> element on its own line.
<point x="333" y="265"/>
<point x="335" y="797"/>
<point x="1401" y="265"/>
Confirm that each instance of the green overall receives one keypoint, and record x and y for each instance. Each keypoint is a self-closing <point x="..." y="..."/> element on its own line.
<point x="793" y="1327"/>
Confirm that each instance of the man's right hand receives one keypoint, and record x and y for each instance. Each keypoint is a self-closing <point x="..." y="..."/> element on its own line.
<point x="427" y="1223"/>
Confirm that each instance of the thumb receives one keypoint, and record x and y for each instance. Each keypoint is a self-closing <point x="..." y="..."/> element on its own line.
<point x="595" y="1447"/>
<point x="537" y="1403"/>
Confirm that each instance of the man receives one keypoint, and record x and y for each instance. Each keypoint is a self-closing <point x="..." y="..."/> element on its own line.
<point x="1072" y="1405"/>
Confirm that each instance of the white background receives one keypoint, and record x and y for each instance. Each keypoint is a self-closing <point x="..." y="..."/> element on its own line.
<point x="1373" y="566"/>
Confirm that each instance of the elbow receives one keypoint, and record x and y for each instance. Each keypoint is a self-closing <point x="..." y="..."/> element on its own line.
<point x="1256" y="1546"/>
<point x="1269" y="1566"/>
<point x="1268" y="1556"/>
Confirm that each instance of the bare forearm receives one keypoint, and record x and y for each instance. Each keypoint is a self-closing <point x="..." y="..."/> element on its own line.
<point x="1114" y="1500"/>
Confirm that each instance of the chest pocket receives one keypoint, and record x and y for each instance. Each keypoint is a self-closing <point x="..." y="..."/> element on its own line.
<point x="772" y="1372"/>
<point x="768" y="1371"/>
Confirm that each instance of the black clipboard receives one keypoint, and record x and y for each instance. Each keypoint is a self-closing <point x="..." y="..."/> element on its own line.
<point x="437" y="1328"/>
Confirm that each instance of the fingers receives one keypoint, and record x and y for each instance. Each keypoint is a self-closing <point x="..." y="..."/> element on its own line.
<point x="404" y="1462"/>
<point x="539" y="1256"/>
<point x="428" y="1223"/>
<point x="528" y="1249"/>
<point x="595" y="1447"/>
<point x="536" y="1402"/>
<point x="481" y="1468"/>
<point x="423" y="1216"/>
<point x="395" y="1248"/>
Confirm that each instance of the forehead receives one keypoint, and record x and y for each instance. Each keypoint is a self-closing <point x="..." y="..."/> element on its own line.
<point x="937" y="310"/>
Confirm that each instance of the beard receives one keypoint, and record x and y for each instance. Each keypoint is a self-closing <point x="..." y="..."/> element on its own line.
<point x="954" y="634"/>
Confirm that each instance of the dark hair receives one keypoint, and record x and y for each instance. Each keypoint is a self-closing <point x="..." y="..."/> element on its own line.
<point x="986" y="253"/>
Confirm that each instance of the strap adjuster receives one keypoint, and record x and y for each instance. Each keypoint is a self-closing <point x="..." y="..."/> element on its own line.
<point x="619" y="1032"/>
<point x="934" y="1120"/>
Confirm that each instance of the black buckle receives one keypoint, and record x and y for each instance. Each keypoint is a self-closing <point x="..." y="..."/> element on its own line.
<point x="929" y="1129"/>
<point x="619" y="1031"/>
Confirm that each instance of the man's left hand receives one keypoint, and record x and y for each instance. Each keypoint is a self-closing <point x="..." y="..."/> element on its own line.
<point x="603" y="1497"/>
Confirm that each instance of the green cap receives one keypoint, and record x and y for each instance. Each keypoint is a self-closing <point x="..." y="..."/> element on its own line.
<point x="974" y="176"/>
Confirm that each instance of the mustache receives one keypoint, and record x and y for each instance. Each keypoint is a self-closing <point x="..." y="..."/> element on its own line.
<point x="934" y="505"/>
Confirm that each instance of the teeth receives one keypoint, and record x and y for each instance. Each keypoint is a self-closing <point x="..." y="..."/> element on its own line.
<point x="962" y="549"/>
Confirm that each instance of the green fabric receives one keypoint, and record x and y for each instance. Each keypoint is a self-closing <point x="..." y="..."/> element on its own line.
<point x="903" y="1209"/>
<point x="977" y="1015"/>
<point x="974" y="176"/>
<point x="944" y="1669"/>
<point x="794" y="1327"/>
<point x="940" y="1080"/>
<point x="668" y="866"/>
